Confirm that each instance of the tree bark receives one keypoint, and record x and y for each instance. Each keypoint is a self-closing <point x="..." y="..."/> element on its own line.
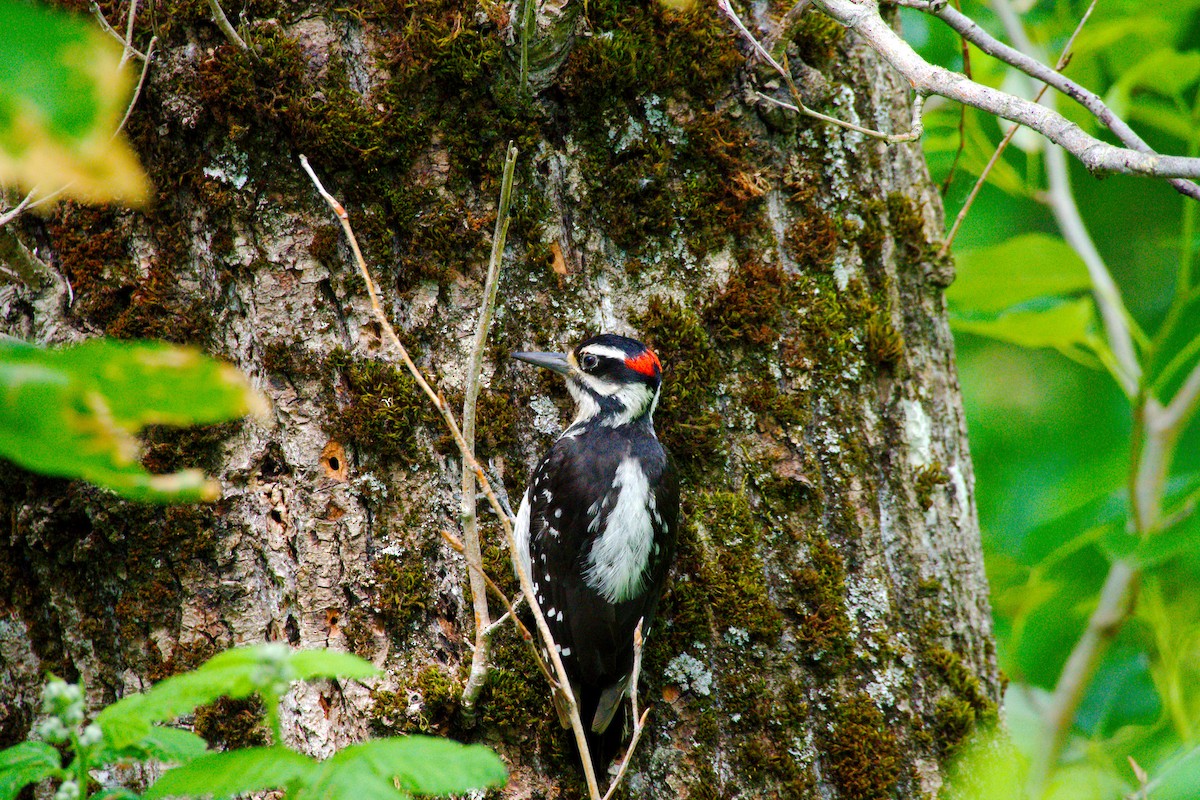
<point x="827" y="631"/>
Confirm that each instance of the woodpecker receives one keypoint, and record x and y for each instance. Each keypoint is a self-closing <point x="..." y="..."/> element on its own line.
<point x="597" y="526"/>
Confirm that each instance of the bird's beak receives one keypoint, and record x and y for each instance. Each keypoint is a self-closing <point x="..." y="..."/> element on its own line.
<point x="555" y="362"/>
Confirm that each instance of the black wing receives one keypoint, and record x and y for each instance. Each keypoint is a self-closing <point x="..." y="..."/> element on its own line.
<point x="595" y="636"/>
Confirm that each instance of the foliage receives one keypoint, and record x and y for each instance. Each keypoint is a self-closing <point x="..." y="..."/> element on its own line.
<point x="62" y="96"/>
<point x="1056" y="443"/>
<point x="128" y="731"/>
<point x="75" y="411"/>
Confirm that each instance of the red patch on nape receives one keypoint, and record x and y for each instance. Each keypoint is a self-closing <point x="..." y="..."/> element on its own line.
<point x="644" y="362"/>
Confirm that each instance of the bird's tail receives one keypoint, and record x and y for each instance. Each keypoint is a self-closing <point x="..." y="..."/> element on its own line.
<point x="604" y="745"/>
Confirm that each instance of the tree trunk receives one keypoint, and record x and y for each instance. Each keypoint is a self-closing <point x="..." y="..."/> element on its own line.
<point x="827" y="631"/>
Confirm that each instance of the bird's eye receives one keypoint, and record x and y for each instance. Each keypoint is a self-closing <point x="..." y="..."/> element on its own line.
<point x="589" y="362"/>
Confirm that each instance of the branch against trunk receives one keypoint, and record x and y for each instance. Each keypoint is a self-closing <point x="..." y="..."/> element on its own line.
<point x="470" y="520"/>
<point x="1097" y="156"/>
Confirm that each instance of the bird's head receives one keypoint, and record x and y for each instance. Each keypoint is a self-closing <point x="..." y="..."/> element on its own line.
<point x="613" y="379"/>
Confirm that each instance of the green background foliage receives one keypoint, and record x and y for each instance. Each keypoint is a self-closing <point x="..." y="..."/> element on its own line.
<point x="1050" y="430"/>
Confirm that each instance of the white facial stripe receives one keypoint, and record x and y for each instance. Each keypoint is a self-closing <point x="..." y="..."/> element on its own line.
<point x="604" y="350"/>
<point x="599" y="386"/>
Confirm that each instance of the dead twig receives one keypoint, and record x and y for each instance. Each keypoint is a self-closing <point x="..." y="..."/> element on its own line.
<point x="470" y="522"/>
<point x="564" y="684"/>
<point x="639" y="722"/>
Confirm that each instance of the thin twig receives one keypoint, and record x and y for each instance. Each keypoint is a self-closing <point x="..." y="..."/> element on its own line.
<point x="510" y="611"/>
<point x="639" y="721"/>
<point x="1063" y="60"/>
<point x="223" y="23"/>
<point x="15" y="211"/>
<point x="472" y="550"/>
<point x="128" y="41"/>
<point x="137" y="91"/>
<point x="799" y="106"/>
<point x="1062" y="204"/>
<point x="448" y="417"/>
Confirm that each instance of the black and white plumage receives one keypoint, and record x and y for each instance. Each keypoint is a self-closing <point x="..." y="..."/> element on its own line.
<point x="597" y="526"/>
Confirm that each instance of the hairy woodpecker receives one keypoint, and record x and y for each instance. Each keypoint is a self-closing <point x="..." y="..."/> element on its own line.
<point x="597" y="526"/>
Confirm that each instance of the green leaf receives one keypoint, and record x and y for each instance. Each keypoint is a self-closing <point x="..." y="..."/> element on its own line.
<point x="1067" y="327"/>
<point x="1164" y="71"/>
<point x="1179" y="779"/>
<point x="252" y="769"/>
<point x="237" y="673"/>
<point x="26" y="763"/>
<point x="1019" y="270"/>
<point x="74" y="411"/>
<point x="424" y="764"/>
<point x="62" y="96"/>
<point x="309" y="664"/>
<point x="159" y="743"/>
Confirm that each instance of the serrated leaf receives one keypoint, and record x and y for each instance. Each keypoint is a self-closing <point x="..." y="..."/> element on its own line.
<point x="73" y="411"/>
<point x="252" y="769"/>
<point x="62" y="96"/>
<point x="425" y="764"/>
<point x="1021" y="269"/>
<point x="26" y="763"/>
<point x="309" y="664"/>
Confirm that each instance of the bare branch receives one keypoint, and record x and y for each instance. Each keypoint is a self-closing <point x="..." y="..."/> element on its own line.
<point x="470" y="522"/>
<point x="564" y="683"/>
<point x="1025" y="62"/>
<point x="1097" y="156"/>
<point x="510" y="610"/>
<point x="1116" y="600"/>
<point x="223" y="23"/>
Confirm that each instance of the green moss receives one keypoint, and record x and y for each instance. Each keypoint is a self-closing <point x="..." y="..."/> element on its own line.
<point x="765" y="398"/>
<point x="169" y="449"/>
<point x="687" y="418"/>
<point x="929" y="478"/>
<point x="962" y="682"/>
<point x="720" y="579"/>
<point x="816" y="39"/>
<point x="438" y="696"/>
<point x="953" y="722"/>
<point x="812" y="240"/>
<point x="402" y="591"/>
<point x="232" y="724"/>
<point x="360" y="638"/>
<point x="908" y="229"/>
<point x="819" y="605"/>
<point x="375" y="405"/>
<point x="861" y="756"/>
<point x="749" y="309"/>
<point x="885" y="344"/>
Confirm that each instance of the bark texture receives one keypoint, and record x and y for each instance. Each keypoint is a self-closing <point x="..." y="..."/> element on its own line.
<point x="827" y="633"/>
